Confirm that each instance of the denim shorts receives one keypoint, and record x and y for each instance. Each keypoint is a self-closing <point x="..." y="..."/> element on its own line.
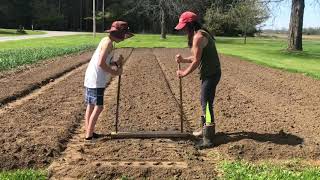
<point x="94" y="96"/>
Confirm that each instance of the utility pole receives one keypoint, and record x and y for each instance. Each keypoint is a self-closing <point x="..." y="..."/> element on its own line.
<point x="94" y="17"/>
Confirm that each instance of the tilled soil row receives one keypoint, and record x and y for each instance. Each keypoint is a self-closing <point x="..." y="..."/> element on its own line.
<point x="36" y="129"/>
<point x="261" y="113"/>
<point x="18" y="83"/>
<point x="35" y="132"/>
<point x="146" y="105"/>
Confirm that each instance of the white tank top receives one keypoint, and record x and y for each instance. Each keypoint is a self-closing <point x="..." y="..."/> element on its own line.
<point x="95" y="76"/>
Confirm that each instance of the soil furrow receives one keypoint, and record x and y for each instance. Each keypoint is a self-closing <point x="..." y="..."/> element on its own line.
<point x="261" y="113"/>
<point x="146" y="105"/>
<point x="19" y="83"/>
<point x="37" y="128"/>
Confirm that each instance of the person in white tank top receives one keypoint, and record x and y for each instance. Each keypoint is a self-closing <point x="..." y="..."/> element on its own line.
<point x="98" y="74"/>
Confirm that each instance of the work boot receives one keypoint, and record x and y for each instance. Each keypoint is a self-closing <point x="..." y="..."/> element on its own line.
<point x="208" y="137"/>
<point x="201" y="123"/>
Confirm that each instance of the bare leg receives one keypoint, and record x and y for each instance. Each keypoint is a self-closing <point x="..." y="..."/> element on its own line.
<point x="88" y="114"/>
<point x="93" y="119"/>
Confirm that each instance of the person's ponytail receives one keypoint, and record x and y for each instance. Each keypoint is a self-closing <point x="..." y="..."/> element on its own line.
<point x="193" y="27"/>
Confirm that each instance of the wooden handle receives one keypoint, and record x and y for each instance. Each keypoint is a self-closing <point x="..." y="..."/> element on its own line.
<point x="181" y="105"/>
<point x="118" y="101"/>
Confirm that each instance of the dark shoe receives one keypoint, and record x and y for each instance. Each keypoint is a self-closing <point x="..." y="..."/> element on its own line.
<point x="208" y="137"/>
<point x="88" y="138"/>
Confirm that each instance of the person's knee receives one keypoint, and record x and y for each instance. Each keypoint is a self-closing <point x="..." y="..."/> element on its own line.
<point x="99" y="108"/>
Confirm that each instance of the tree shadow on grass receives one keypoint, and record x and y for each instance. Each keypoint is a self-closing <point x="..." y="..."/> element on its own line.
<point x="281" y="138"/>
<point x="8" y="32"/>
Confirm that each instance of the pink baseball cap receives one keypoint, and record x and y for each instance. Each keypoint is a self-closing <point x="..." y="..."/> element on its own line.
<point x="122" y="27"/>
<point x="186" y="17"/>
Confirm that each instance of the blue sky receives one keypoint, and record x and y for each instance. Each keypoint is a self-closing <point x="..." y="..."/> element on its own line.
<point x="281" y="15"/>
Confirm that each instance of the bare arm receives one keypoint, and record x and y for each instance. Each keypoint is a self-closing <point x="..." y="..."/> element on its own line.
<point x="199" y="42"/>
<point x="180" y="59"/>
<point x="106" y="49"/>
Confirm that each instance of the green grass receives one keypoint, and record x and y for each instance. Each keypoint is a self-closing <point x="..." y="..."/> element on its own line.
<point x="13" y="32"/>
<point x="241" y="170"/>
<point x="23" y="175"/>
<point x="150" y="41"/>
<point x="265" y="51"/>
<point x="18" y="53"/>
<point x="54" y="42"/>
<point x="272" y="53"/>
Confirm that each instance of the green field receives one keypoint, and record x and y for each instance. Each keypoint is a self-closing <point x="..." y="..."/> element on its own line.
<point x="265" y="51"/>
<point x="269" y="52"/>
<point x="13" y="32"/>
<point x="292" y="170"/>
<point x="272" y="53"/>
<point x="18" y="53"/>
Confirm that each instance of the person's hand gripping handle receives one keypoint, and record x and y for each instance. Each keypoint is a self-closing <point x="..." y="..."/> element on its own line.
<point x="119" y="64"/>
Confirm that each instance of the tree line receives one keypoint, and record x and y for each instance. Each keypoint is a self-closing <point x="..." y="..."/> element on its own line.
<point x="221" y="17"/>
<point x="144" y="16"/>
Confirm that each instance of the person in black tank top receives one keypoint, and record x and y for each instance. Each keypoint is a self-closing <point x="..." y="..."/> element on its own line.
<point x="205" y="58"/>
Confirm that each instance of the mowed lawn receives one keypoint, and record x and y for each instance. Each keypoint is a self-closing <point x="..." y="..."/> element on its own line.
<point x="265" y="51"/>
<point x="13" y="32"/>
<point x="273" y="53"/>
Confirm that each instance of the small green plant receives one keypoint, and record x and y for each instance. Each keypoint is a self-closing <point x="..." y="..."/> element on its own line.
<point x="124" y="177"/>
<point x="27" y="174"/>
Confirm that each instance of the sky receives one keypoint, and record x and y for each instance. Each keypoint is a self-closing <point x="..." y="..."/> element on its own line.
<point x="281" y="15"/>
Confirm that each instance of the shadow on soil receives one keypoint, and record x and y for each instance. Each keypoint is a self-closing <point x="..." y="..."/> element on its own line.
<point x="281" y="138"/>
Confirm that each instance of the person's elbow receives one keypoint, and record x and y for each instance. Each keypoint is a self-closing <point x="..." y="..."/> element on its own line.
<point x="196" y="62"/>
<point x="101" y="64"/>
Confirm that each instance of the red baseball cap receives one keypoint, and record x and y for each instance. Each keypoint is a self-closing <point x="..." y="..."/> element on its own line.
<point x="122" y="27"/>
<point x="186" y="17"/>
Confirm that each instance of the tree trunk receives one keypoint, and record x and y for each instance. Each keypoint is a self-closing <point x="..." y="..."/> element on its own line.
<point x="245" y="32"/>
<point x="163" y="27"/>
<point x="163" y="21"/>
<point x="245" y="37"/>
<point x="94" y="17"/>
<point x="296" y="25"/>
<point x="59" y="7"/>
<point x="80" y="19"/>
<point x="103" y="18"/>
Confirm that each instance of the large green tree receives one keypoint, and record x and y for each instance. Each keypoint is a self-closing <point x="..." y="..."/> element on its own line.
<point x="232" y="17"/>
<point x="162" y="15"/>
<point x="247" y="14"/>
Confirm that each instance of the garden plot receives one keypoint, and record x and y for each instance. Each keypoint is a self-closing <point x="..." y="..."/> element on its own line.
<point x="261" y="114"/>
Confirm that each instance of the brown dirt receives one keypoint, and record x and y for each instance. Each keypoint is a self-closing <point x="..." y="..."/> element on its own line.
<point x="146" y="105"/>
<point x="36" y="129"/>
<point x="18" y="83"/>
<point x="261" y="114"/>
